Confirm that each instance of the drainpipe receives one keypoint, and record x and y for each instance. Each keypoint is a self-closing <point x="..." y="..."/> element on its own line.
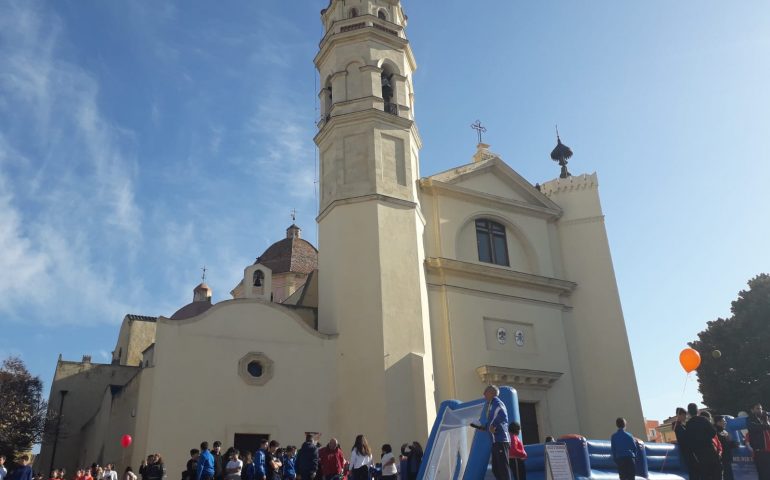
<point x="58" y="424"/>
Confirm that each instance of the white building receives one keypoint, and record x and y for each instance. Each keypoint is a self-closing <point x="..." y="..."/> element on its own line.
<point x="425" y="289"/>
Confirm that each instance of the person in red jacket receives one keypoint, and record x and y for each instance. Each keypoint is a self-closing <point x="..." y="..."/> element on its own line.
<point x="332" y="462"/>
<point x="517" y="454"/>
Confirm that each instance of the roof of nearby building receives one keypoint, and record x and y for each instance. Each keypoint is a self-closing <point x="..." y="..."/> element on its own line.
<point x="141" y="318"/>
<point x="292" y="254"/>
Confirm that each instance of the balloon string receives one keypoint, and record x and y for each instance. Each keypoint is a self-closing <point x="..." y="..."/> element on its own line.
<point x="685" y="383"/>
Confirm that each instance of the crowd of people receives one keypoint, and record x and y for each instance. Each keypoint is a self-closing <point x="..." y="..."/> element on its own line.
<point x="23" y="471"/>
<point x="310" y="461"/>
<point x="705" y="446"/>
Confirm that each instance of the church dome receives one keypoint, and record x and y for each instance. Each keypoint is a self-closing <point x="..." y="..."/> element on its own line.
<point x="292" y="254"/>
<point x="201" y="302"/>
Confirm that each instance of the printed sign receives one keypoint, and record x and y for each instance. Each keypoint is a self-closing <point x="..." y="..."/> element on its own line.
<point x="557" y="464"/>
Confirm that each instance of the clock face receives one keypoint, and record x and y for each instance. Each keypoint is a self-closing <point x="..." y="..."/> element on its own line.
<point x="502" y="335"/>
<point x="519" y="338"/>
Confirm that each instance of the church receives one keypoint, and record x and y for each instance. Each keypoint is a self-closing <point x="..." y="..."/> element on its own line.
<point x="473" y="276"/>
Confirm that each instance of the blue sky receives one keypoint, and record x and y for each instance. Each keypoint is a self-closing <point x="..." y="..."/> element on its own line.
<point x="141" y="140"/>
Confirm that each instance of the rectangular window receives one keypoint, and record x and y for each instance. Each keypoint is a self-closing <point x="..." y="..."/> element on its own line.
<point x="492" y="243"/>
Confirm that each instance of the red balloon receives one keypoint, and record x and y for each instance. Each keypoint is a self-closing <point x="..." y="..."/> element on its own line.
<point x="126" y="440"/>
<point x="690" y="359"/>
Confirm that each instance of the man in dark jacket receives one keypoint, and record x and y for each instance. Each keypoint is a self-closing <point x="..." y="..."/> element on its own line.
<point x="700" y="437"/>
<point x="685" y="452"/>
<point x="191" y="472"/>
<point x="759" y="437"/>
<point x="307" y="459"/>
<point x="219" y="467"/>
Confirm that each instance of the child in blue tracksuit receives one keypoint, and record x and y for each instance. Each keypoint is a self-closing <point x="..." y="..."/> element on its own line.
<point x="624" y="450"/>
<point x="289" y="461"/>
<point x="260" y="472"/>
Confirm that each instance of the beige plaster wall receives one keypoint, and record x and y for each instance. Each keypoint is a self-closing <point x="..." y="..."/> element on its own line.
<point x="373" y="294"/>
<point x="198" y="394"/>
<point x="464" y="320"/>
<point x="134" y="337"/>
<point x="285" y="284"/>
<point x="575" y="333"/>
<point x="598" y="347"/>
<point x="86" y="383"/>
<point x="452" y="233"/>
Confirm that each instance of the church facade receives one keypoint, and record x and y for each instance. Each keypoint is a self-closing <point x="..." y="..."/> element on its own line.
<point x="473" y="276"/>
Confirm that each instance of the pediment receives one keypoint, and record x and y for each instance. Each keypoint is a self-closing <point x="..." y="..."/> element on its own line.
<point x="493" y="177"/>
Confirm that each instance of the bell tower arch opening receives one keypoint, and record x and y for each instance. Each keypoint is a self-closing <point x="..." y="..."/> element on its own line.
<point x="387" y="89"/>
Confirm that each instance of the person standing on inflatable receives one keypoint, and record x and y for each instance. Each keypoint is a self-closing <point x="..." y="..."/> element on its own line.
<point x="494" y="419"/>
<point x="624" y="451"/>
<point x="759" y="437"/>
<point x="700" y="437"/>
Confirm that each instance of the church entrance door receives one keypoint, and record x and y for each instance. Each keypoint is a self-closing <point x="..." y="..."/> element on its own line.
<point x="529" y="429"/>
<point x="248" y="442"/>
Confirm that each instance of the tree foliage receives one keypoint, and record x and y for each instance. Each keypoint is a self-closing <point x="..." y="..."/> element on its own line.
<point x="22" y="408"/>
<point x="741" y="375"/>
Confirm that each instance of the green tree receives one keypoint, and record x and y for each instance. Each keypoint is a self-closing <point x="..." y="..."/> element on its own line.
<point x="22" y="408"/>
<point x="740" y="376"/>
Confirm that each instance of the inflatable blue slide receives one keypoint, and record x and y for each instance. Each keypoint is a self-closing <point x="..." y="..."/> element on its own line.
<point x="456" y="451"/>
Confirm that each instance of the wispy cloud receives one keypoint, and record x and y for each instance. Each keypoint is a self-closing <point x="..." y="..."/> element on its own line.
<point x="286" y="151"/>
<point x="67" y="178"/>
<point x="23" y="265"/>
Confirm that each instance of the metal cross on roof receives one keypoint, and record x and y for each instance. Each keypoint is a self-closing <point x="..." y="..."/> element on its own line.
<point x="479" y="128"/>
<point x="293" y="215"/>
<point x="203" y="277"/>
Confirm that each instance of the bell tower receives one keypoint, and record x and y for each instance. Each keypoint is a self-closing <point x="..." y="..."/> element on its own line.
<point x="372" y="287"/>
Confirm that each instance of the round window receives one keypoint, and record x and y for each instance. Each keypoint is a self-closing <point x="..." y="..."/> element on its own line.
<point x="254" y="369"/>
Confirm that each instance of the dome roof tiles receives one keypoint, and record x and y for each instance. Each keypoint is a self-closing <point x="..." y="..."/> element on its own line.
<point x="290" y="255"/>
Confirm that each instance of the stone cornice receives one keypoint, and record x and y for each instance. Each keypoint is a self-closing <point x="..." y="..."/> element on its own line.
<point x="368" y="114"/>
<point x="581" y="221"/>
<point x="500" y="275"/>
<point x="562" y="185"/>
<point x="430" y="184"/>
<point x="367" y="198"/>
<point x="517" y="377"/>
<point x="369" y="30"/>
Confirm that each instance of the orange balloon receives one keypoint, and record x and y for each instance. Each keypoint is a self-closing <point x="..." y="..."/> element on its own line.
<point x="690" y="359"/>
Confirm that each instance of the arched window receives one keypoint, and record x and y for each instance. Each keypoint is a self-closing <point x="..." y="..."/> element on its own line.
<point x="258" y="278"/>
<point x="328" y="99"/>
<point x="382" y="15"/>
<point x="386" y="79"/>
<point x="353" y="12"/>
<point x="490" y="238"/>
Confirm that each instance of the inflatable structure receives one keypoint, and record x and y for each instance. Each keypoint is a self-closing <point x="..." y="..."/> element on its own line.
<point x="456" y="451"/>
